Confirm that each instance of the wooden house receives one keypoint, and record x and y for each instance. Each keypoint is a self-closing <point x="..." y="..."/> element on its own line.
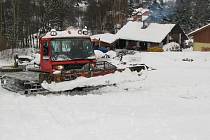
<point x="149" y="37"/>
<point x="201" y="38"/>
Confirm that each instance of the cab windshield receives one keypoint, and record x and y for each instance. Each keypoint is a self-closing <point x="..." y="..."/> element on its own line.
<point x="71" y="48"/>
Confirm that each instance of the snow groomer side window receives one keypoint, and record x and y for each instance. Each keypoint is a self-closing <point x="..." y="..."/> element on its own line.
<point x="89" y="47"/>
<point x="45" y="50"/>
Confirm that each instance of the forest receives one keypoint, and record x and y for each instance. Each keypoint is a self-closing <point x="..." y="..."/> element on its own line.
<point x="19" y="19"/>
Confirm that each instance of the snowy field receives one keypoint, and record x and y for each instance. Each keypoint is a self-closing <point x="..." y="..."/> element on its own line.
<point x="172" y="103"/>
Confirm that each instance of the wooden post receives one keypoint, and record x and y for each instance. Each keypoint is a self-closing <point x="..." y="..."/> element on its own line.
<point x="180" y="38"/>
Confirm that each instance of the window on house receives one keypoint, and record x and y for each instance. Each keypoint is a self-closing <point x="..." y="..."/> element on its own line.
<point x="132" y="45"/>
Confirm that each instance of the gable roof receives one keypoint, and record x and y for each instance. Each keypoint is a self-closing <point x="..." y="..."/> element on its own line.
<point x="107" y="37"/>
<point x="155" y="32"/>
<point x="199" y="29"/>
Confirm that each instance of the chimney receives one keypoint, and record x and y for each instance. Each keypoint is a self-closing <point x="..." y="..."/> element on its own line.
<point x="145" y="24"/>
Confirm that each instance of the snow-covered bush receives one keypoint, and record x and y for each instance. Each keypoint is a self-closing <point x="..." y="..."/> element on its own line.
<point x="172" y="46"/>
<point x="189" y="43"/>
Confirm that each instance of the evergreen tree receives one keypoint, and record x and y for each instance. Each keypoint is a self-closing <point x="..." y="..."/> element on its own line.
<point x="192" y="14"/>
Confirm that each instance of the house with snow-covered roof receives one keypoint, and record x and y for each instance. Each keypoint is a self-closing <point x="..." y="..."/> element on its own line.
<point x="140" y="14"/>
<point x="149" y="36"/>
<point x="201" y="38"/>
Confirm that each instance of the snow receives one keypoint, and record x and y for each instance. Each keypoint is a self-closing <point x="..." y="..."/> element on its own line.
<point x="109" y="79"/>
<point x="153" y="33"/>
<point x="140" y="10"/>
<point x="172" y="46"/>
<point x="107" y="37"/>
<point x="7" y="56"/>
<point x="36" y="59"/>
<point x="99" y="54"/>
<point x="70" y="32"/>
<point x="111" y="54"/>
<point x="172" y="103"/>
<point x="25" y="56"/>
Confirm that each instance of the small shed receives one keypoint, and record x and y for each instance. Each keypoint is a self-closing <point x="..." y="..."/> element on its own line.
<point x="106" y="40"/>
<point x="201" y="38"/>
<point x="145" y="36"/>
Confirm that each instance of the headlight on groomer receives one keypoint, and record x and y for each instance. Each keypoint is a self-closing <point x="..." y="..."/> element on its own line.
<point x="59" y="67"/>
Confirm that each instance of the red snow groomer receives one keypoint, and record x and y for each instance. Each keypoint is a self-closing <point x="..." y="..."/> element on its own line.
<point x="64" y="55"/>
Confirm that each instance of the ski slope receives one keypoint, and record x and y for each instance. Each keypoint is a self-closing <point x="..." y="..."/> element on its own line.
<point x="172" y="103"/>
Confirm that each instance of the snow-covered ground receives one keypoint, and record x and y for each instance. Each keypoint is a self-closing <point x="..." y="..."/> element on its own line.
<point x="172" y="103"/>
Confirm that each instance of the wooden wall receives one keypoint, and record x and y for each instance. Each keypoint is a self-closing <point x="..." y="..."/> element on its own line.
<point x="202" y="36"/>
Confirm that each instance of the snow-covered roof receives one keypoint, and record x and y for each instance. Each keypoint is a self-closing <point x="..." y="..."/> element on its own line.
<point x="66" y="34"/>
<point x="140" y="11"/>
<point x="107" y="37"/>
<point x="199" y="29"/>
<point x="153" y="33"/>
<point x="81" y="4"/>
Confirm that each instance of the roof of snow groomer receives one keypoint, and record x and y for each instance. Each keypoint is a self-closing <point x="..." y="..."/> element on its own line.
<point x="69" y="33"/>
<point x="107" y="37"/>
<point x="153" y="33"/>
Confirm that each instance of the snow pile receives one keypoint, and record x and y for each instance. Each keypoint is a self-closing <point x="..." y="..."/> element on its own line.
<point x="109" y="79"/>
<point x="99" y="54"/>
<point x="108" y="55"/>
<point x="121" y="60"/>
<point x="127" y="60"/>
<point x="172" y="46"/>
<point x="111" y="54"/>
<point x="132" y="58"/>
<point x="36" y="58"/>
